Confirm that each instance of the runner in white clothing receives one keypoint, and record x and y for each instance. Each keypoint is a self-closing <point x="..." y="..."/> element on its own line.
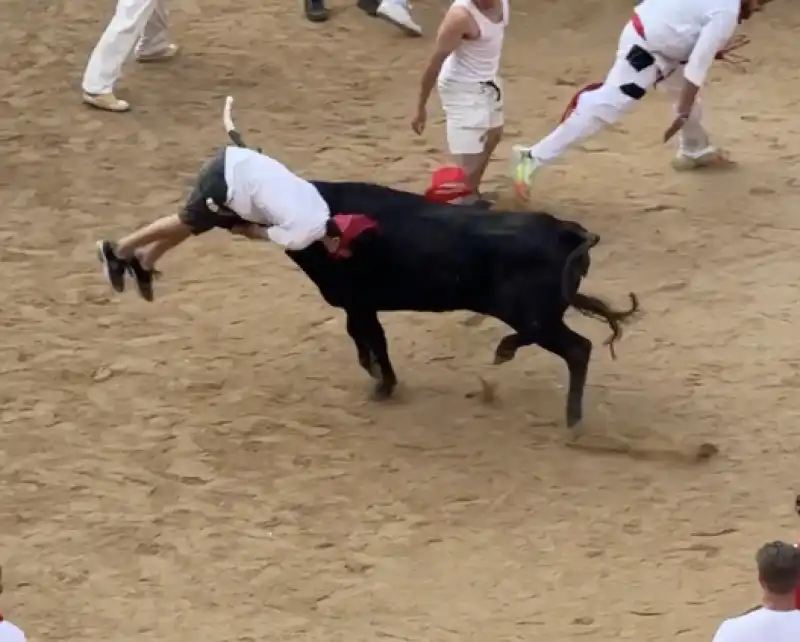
<point x="240" y="190"/>
<point x="139" y="25"/>
<point x="776" y="620"/>
<point x="464" y="66"/>
<point x="674" y="41"/>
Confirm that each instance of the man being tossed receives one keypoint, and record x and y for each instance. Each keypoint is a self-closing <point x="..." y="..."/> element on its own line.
<point x="464" y="66"/>
<point x="674" y="41"/>
<point x="239" y="190"/>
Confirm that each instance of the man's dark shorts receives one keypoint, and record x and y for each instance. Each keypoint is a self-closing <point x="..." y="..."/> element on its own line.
<point x="205" y="208"/>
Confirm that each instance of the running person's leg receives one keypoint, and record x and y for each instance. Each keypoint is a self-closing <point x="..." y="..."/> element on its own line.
<point x="139" y="251"/>
<point x="474" y="126"/>
<point x="694" y="144"/>
<point x="633" y="73"/>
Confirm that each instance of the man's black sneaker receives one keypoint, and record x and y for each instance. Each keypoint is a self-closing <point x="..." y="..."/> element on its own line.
<point x="143" y="277"/>
<point x="113" y="266"/>
<point x="316" y="11"/>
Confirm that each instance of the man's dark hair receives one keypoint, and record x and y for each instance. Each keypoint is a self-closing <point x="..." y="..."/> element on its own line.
<point x="779" y="567"/>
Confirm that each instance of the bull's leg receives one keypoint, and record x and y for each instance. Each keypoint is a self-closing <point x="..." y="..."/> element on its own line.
<point x="576" y="350"/>
<point x="558" y="339"/>
<point x="366" y="326"/>
<point x="365" y="357"/>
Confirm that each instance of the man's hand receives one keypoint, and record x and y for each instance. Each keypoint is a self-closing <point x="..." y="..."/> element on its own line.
<point x="420" y="120"/>
<point x="675" y="127"/>
<point x="252" y="231"/>
<point x="455" y="25"/>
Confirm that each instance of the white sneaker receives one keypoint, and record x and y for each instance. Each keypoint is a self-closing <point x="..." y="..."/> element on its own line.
<point x="709" y="157"/>
<point x="397" y="12"/>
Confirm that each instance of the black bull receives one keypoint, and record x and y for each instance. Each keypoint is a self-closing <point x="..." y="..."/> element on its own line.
<point x="523" y="268"/>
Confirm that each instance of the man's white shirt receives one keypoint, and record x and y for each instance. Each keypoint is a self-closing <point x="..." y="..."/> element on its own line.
<point x="263" y="190"/>
<point x="691" y="31"/>
<point x="763" y="625"/>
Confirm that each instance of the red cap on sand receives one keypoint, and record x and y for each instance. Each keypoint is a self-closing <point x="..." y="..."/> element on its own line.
<point x="447" y="184"/>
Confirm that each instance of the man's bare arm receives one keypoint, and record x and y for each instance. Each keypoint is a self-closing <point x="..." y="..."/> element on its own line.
<point x="455" y="25"/>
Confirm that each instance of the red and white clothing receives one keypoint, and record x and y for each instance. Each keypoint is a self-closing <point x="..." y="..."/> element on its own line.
<point x="666" y="42"/>
<point x="469" y="85"/>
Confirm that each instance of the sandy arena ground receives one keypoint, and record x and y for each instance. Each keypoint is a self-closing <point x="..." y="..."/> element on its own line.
<point x="209" y="465"/>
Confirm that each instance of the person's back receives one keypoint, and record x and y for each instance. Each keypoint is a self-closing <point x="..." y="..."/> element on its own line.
<point x="672" y="27"/>
<point x="777" y="620"/>
<point x="763" y="625"/>
<point x="9" y="632"/>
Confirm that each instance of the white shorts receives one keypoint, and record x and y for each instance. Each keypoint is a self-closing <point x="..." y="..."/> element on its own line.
<point x="471" y="109"/>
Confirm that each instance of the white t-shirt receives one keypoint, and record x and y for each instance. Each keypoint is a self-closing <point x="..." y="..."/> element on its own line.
<point x="762" y="625"/>
<point x="10" y="633"/>
<point x="689" y="30"/>
<point x="262" y="190"/>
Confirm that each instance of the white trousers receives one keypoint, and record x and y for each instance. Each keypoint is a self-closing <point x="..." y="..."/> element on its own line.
<point x="608" y="104"/>
<point x="139" y="24"/>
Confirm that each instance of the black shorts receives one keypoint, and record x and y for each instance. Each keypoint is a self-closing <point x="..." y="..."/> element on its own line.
<point x="205" y="208"/>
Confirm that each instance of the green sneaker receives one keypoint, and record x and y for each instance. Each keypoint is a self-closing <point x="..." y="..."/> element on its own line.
<point x="523" y="169"/>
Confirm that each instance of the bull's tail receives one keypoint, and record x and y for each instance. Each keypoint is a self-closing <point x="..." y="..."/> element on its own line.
<point x="230" y="128"/>
<point x="581" y="252"/>
<point x="595" y="308"/>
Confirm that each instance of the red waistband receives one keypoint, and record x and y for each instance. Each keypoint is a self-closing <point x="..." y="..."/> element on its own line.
<point x="638" y="27"/>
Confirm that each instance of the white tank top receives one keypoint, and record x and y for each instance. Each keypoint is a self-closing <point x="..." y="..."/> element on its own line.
<point x="477" y="60"/>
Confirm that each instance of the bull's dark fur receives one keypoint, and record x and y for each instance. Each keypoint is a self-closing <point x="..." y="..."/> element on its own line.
<point x="523" y="268"/>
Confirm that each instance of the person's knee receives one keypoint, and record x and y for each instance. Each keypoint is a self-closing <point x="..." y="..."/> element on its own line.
<point x="493" y="137"/>
<point x="465" y="141"/>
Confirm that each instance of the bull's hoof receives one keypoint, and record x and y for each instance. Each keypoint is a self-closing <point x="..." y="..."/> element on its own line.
<point x="383" y="390"/>
<point x="574" y="423"/>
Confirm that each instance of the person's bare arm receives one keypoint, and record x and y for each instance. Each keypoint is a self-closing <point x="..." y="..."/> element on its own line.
<point x="251" y="231"/>
<point x="713" y="37"/>
<point x="455" y="25"/>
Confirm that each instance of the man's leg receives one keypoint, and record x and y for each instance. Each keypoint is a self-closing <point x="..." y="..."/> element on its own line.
<point x="471" y="137"/>
<point x="493" y="136"/>
<point x="155" y="45"/>
<point x="142" y="263"/>
<point x="694" y="144"/>
<point x="112" y="50"/>
<point x="120" y="257"/>
<point x="204" y="210"/>
<point x="626" y="84"/>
